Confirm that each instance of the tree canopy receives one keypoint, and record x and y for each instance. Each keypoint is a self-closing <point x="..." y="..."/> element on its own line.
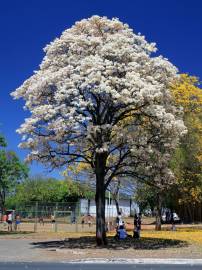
<point x="47" y="190"/>
<point x="186" y="162"/>
<point x="92" y="78"/>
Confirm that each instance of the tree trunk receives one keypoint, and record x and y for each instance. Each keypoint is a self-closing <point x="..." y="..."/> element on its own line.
<point x="158" y="212"/>
<point x="117" y="205"/>
<point x="88" y="210"/>
<point x="116" y="197"/>
<point x="100" y="199"/>
<point x="190" y="216"/>
<point x="1" y="208"/>
<point x="2" y="202"/>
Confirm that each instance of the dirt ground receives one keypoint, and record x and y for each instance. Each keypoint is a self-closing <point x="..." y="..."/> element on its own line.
<point x="147" y="224"/>
<point x="67" y="246"/>
<point x="77" y="242"/>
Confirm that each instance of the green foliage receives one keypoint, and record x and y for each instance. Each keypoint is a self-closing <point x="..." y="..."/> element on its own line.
<point x="48" y="190"/>
<point x="145" y="196"/>
<point x="2" y="141"/>
<point x="187" y="167"/>
<point x="187" y="158"/>
<point x="12" y="171"/>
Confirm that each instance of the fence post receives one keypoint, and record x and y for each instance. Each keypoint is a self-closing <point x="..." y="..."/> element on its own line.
<point x="77" y="214"/>
<point x="76" y="223"/>
<point x="36" y="217"/>
<point x="56" y="222"/>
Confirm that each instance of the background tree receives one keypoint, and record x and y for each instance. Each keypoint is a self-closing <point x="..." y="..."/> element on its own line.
<point x="145" y="196"/>
<point x="12" y="171"/>
<point x="94" y="76"/>
<point x="48" y="190"/>
<point x="186" y="190"/>
<point x="187" y="161"/>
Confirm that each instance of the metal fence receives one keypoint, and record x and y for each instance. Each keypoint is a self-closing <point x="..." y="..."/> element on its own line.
<point x="55" y="217"/>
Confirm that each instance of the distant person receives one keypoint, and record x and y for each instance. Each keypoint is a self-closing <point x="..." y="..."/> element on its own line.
<point x="119" y="221"/>
<point x="121" y="233"/>
<point x="106" y="227"/>
<point x="89" y="220"/>
<point x="172" y="220"/>
<point x="137" y="225"/>
<point x="53" y="220"/>
<point x="83" y="221"/>
<point x="17" y="222"/>
<point x="10" y="221"/>
<point x="73" y="219"/>
<point x="135" y="233"/>
<point x="167" y="216"/>
<point x="41" y="221"/>
<point x="4" y="220"/>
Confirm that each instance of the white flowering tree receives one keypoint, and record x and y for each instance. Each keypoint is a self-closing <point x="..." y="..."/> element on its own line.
<point x="156" y="156"/>
<point x="97" y="82"/>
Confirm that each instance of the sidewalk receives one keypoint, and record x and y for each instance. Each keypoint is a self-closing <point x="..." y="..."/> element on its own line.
<point x="29" y="250"/>
<point x="141" y="261"/>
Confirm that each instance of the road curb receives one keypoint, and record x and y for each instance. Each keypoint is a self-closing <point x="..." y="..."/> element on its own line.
<point x="138" y="261"/>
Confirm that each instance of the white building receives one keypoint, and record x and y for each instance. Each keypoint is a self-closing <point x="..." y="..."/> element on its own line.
<point x="126" y="206"/>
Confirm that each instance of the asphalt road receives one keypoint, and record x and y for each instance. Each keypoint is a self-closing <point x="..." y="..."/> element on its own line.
<point x="69" y="266"/>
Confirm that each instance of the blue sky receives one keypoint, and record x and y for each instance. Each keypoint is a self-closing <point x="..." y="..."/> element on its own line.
<point x="26" y="26"/>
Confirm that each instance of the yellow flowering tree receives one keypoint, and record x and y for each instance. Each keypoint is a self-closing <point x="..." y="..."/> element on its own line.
<point x="186" y="191"/>
<point x="187" y="161"/>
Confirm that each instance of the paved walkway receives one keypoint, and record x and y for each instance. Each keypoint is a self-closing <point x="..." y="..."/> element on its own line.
<point x="23" y="250"/>
<point x="19" y="250"/>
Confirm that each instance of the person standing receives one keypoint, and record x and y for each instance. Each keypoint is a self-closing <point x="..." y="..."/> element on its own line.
<point x="10" y="221"/>
<point x="172" y="220"/>
<point x="41" y="221"/>
<point x="53" y="220"/>
<point x="4" y="219"/>
<point x="137" y="225"/>
<point x="119" y="221"/>
<point x="17" y="222"/>
<point x="135" y="233"/>
<point x="83" y="221"/>
<point x="89" y="220"/>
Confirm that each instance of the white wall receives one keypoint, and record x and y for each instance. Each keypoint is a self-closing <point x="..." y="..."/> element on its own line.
<point x="110" y="210"/>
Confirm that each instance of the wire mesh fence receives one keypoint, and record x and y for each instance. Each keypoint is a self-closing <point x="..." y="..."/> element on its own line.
<point x="58" y="217"/>
<point x="53" y="217"/>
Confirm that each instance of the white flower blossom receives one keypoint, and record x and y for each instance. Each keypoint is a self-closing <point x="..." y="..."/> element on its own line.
<point x="99" y="91"/>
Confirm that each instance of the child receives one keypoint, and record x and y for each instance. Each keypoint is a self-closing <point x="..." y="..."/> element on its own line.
<point x="17" y="222"/>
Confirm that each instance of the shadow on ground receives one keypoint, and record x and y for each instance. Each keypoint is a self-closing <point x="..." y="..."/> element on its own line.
<point x="14" y="232"/>
<point x="144" y="243"/>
